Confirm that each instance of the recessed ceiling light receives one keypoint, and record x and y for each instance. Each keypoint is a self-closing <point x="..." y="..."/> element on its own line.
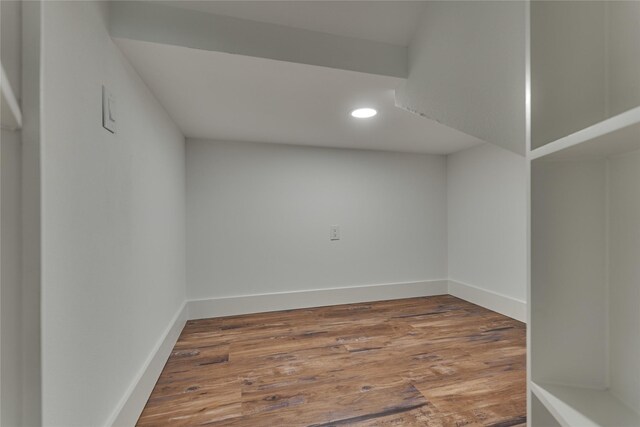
<point x="364" y="113"/>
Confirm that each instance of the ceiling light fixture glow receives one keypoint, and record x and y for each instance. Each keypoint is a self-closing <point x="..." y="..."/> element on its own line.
<point x="364" y="113"/>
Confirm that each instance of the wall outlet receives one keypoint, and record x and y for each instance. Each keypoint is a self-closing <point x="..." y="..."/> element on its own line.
<point x="334" y="232"/>
<point x="108" y="110"/>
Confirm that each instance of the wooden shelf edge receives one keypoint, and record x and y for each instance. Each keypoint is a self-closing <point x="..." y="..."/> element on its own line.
<point x="581" y="407"/>
<point x="11" y="114"/>
<point x="613" y="124"/>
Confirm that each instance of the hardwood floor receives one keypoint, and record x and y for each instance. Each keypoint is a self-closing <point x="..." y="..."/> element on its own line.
<point x="433" y="361"/>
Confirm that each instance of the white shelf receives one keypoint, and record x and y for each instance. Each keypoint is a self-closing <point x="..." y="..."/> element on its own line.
<point x="581" y="407"/>
<point x="11" y="116"/>
<point x="616" y="135"/>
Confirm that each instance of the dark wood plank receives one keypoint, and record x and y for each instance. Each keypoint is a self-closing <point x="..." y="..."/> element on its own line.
<point x="433" y="361"/>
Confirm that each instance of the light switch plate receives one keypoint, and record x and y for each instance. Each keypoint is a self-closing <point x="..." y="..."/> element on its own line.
<point x="108" y="110"/>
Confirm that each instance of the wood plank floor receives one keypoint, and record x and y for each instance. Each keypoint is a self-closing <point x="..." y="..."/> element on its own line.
<point x="433" y="361"/>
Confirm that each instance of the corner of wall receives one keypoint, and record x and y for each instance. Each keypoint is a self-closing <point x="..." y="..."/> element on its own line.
<point x="132" y="403"/>
<point x="494" y="301"/>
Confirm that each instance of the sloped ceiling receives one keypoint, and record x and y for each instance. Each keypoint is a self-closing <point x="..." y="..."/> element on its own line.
<point x="214" y="95"/>
<point x="298" y="68"/>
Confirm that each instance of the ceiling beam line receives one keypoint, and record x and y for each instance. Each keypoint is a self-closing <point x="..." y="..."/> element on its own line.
<point x="152" y="22"/>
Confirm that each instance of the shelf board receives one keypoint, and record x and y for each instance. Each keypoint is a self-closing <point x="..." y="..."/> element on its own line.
<point x="11" y="116"/>
<point x="582" y="407"/>
<point x="616" y="135"/>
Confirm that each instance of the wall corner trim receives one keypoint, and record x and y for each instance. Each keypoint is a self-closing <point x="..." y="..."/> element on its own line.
<point x="132" y="403"/>
<point x="503" y="304"/>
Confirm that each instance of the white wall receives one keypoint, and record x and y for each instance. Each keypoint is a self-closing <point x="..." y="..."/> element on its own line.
<point x="195" y="29"/>
<point x="113" y="230"/>
<point x="623" y="50"/>
<point x="258" y="218"/>
<point x="31" y="214"/>
<point x="567" y="68"/>
<point x="11" y="42"/>
<point x="624" y="277"/>
<point x="10" y="291"/>
<point x="11" y="353"/>
<point x="467" y="69"/>
<point x="487" y="220"/>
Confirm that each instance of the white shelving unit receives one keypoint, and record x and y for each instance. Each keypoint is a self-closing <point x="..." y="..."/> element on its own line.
<point x="585" y="277"/>
<point x="11" y="116"/>
<point x="584" y="300"/>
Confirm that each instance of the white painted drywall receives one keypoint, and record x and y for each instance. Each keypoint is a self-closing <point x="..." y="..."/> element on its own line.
<point x="623" y="50"/>
<point x="10" y="291"/>
<point x="258" y="218"/>
<point x="624" y="277"/>
<point x="487" y="239"/>
<point x="11" y="42"/>
<point x="392" y="22"/>
<point x="158" y="23"/>
<point x="567" y="68"/>
<point x="467" y="69"/>
<point x="30" y="214"/>
<point x="11" y="354"/>
<point x="113" y="230"/>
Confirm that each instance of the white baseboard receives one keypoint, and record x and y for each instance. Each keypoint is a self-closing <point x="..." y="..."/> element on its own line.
<point x="133" y="402"/>
<point x="499" y="303"/>
<point x="245" y="304"/>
